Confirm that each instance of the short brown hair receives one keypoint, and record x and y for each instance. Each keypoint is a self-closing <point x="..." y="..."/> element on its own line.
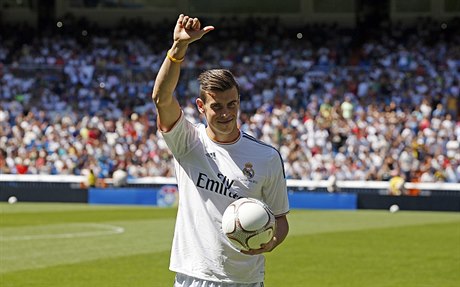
<point x="216" y="80"/>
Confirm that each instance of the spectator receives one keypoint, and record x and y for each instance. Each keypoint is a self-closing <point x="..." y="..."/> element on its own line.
<point x="397" y="182"/>
<point x="89" y="107"/>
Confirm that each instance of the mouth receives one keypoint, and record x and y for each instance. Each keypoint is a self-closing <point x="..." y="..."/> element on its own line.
<point x="226" y="121"/>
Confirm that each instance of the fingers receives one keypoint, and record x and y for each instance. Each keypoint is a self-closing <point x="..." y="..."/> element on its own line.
<point x="208" y="28"/>
<point x="190" y="23"/>
<point x="253" y="251"/>
<point x="180" y="19"/>
<point x="267" y="247"/>
<point x="196" y="24"/>
<point x="189" y="29"/>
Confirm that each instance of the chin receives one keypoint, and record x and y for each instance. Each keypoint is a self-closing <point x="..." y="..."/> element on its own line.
<point x="224" y="130"/>
<point x="230" y="126"/>
<point x="229" y="129"/>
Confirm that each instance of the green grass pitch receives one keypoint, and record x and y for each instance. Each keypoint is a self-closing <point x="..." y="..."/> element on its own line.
<point x="95" y="246"/>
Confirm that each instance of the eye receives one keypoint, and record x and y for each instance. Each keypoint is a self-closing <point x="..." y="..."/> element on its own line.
<point x="216" y="107"/>
<point x="232" y="104"/>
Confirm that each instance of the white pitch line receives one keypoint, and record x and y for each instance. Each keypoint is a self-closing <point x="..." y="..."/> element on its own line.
<point x="107" y="230"/>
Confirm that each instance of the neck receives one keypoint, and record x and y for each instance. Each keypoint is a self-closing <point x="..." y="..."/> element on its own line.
<point x="224" y="139"/>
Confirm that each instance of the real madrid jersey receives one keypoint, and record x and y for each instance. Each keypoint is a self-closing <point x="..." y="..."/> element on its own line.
<point x="210" y="176"/>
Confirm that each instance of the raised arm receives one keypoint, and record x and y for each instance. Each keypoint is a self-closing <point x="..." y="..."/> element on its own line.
<point x="186" y="31"/>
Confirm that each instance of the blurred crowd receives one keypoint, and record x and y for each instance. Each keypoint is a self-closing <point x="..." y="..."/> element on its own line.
<point x="335" y="101"/>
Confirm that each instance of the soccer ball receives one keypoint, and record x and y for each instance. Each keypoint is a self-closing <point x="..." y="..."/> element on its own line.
<point x="12" y="200"/>
<point x="120" y="178"/>
<point x="394" y="208"/>
<point x="248" y="223"/>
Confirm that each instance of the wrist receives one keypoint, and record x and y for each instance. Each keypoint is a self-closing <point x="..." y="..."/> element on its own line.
<point x="173" y="59"/>
<point x="183" y="44"/>
<point x="176" y="53"/>
<point x="179" y="47"/>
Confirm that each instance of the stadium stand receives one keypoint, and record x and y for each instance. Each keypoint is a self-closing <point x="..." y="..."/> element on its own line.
<point x="331" y="102"/>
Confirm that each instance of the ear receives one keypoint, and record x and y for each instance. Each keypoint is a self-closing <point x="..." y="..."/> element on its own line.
<point x="200" y="105"/>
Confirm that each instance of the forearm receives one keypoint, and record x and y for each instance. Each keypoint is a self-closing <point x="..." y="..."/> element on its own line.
<point x="282" y="230"/>
<point x="167" y="106"/>
<point x="168" y="76"/>
<point x="186" y="31"/>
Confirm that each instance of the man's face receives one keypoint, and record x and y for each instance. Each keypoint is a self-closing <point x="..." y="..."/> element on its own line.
<point x="221" y="112"/>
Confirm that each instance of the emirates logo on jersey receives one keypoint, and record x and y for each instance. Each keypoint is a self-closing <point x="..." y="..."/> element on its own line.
<point x="248" y="171"/>
<point x="222" y="186"/>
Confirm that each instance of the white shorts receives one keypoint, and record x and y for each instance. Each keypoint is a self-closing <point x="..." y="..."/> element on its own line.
<point x="183" y="280"/>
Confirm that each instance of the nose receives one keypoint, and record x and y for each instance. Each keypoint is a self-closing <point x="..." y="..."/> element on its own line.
<point x="224" y="113"/>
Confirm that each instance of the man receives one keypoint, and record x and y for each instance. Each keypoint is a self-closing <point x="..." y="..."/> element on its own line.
<point x="215" y="165"/>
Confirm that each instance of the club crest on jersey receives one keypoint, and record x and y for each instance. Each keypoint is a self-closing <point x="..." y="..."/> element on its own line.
<point x="248" y="171"/>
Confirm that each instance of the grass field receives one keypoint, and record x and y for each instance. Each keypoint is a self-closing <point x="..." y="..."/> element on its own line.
<point x="95" y="246"/>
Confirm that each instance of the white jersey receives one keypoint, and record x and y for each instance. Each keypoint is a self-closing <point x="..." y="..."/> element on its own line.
<point x="210" y="176"/>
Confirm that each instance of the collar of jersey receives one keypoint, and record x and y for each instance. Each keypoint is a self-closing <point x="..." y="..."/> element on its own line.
<point x="228" y="143"/>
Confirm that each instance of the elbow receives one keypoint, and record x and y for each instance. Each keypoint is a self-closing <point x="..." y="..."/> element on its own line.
<point x="157" y="99"/>
<point x="162" y="96"/>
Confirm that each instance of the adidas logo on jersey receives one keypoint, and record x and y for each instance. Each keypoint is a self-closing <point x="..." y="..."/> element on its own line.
<point x="211" y="155"/>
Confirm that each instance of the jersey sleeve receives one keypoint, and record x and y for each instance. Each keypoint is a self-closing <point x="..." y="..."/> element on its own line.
<point x="182" y="138"/>
<point x="275" y="191"/>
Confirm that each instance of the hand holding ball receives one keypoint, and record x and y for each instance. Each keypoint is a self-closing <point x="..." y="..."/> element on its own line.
<point x="248" y="223"/>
